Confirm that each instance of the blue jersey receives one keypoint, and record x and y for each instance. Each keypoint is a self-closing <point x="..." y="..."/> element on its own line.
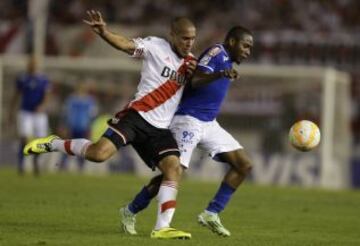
<point x="204" y="102"/>
<point x="80" y="111"/>
<point x="33" y="88"/>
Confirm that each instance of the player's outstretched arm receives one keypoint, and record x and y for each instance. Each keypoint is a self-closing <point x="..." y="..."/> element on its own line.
<point x="201" y="78"/>
<point x="117" y="41"/>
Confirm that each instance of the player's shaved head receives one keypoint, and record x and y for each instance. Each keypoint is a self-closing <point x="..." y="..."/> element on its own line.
<point x="181" y="24"/>
<point x="183" y="33"/>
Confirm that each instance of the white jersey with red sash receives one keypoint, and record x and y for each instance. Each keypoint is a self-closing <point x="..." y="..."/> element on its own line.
<point x="163" y="76"/>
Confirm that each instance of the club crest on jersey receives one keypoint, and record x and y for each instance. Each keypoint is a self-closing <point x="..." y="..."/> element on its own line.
<point x="173" y="75"/>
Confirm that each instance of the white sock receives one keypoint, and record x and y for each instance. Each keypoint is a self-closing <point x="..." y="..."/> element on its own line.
<point x="76" y="147"/>
<point x="166" y="204"/>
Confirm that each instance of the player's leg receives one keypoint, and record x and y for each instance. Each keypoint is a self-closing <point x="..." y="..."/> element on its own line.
<point x="240" y="166"/>
<point x="225" y="149"/>
<point x="172" y="171"/>
<point x="158" y="148"/>
<point x="165" y="186"/>
<point x="96" y="152"/>
<point x="119" y="133"/>
<point x="187" y="134"/>
<point x="139" y="203"/>
<point x="99" y="151"/>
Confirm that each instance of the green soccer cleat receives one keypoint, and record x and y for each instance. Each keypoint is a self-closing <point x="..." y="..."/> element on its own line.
<point x="128" y="221"/>
<point x="212" y="221"/>
<point x="40" y="145"/>
<point x="169" y="233"/>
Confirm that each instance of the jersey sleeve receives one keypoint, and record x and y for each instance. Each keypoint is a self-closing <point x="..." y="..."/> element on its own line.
<point x="209" y="59"/>
<point x="143" y="46"/>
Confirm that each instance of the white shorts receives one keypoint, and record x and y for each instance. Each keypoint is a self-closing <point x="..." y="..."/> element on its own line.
<point x="31" y="124"/>
<point x="190" y="132"/>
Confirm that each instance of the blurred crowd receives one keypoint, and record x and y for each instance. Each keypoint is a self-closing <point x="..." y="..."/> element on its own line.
<point x="312" y="16"/>
<point x="287" y="31"/>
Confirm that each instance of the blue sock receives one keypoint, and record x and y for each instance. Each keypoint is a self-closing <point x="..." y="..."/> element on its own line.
<point x="140" y="202"/>
<point x="221" y="198"/>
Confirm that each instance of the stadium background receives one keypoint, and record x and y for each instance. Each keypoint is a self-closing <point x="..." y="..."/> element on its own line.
<point x="291" y="33"/>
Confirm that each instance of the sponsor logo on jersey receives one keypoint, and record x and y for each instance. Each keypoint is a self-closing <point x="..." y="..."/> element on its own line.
<point x="173" y="75"/>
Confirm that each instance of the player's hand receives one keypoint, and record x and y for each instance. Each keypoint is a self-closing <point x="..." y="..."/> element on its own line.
<point x="190" y="68"/>
<point x="95" y="21"/>
<point x="232" y="74"/>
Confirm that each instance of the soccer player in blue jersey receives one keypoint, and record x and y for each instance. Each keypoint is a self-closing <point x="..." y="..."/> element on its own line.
<point x="195" y="124"/>
<point x="32" y="90"/>
<point x="80" y="110"/>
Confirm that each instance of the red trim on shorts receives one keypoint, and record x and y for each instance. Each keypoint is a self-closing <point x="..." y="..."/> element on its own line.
<point x="67" y="146"/>
<point x="167" y="205"/>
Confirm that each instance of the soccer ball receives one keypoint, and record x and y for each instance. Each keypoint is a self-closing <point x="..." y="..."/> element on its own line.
<point x="304" y="135"/>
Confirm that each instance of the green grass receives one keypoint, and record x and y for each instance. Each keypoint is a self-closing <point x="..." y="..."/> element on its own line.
<point x="81" y="210"/>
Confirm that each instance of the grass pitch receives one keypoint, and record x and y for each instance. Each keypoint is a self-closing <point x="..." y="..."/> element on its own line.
<point x="80" y="210"/>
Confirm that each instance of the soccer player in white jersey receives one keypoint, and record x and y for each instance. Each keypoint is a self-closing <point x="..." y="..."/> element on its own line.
<point x="167" y="65"/>
<point x="195" y="124"/>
